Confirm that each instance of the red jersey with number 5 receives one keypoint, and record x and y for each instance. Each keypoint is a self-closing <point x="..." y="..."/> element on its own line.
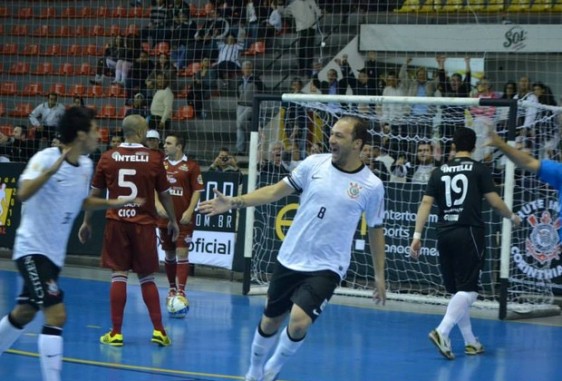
<point x="185" y="178"/>
<point x="131" y="170"/>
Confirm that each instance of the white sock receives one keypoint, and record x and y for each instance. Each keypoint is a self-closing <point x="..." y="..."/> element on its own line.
<point x="458" y="306"/>
<point x="261" y="347"/>
<point x="50" y="353"/>
<point x="464" y="323"/>
<point x="285" y="349"/>
<point x="8" y="334"/>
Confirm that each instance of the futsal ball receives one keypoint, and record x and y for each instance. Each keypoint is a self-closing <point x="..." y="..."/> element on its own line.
<point x="178" y="306"/>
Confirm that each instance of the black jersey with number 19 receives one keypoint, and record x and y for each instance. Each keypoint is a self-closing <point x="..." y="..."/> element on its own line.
<point x="458" y="188"/>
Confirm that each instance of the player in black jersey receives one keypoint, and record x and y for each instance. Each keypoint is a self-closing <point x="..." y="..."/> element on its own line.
<point x="457" y="188"/>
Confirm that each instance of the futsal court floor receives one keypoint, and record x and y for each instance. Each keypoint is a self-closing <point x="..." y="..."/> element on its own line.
<point x="354" y="340"/>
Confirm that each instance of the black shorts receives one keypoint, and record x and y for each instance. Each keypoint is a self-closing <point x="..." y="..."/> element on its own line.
<point x="461" y="257"/>
<point x="40" y="277"/>
<point x="311" y="291"/>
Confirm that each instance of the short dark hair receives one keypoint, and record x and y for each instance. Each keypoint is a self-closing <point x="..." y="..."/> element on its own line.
<point x="73" y="120"/>
<point x="464" y="139"/>
<point x="179" y="139"/>
<point x="360" y="129"/>
<point x="224" y="149"/>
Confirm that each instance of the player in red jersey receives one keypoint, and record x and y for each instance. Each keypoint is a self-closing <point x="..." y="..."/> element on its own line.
<point x="130" y="234"/>
<point x="186" y="183"/>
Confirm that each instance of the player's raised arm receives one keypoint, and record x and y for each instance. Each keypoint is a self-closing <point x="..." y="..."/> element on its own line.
<point x="265" y="195"/>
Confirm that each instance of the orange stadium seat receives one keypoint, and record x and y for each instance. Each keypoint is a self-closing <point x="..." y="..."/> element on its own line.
<point x="85" y="69"/>
<point x="2" y="109"/>
<point x="98" y="30"/>
<point x="66" y="69"/>
<point x="132" y="30"/>
<point x="77" y="90"/>
<point x="63" y="31"/>
<point x="104" y="134"/>
<point x="114" y="30"/>
<point x="32" y="90"/>
<point x="93" y="50"/>
<point x="42" y="31"/>
<point x="136" y="12"/>
<point x="44" y="68"/>
<point x="81" y="31"/>
<point x="53" y="50"/>
<point x="48" y="13"/>
<point x="75" y="50"/>
<point x="87" y="13"/>
<point x="1" y="68"/>
<point x="7" y="129"/>
<point x="8" y="88"/>
<point x="103" y="12"/>
<point x="57" y="88"/>
<point x="69" y="13"/>
<point x="95" y="91"/>
<point x="257" y="47"/>
<point x="108" y="111"/>
<point x="184" y="113"/>
<point x="19" y="68"/>
<point x="19" y="30"/>
<point x="21" y="110"/>
<point x="116" y="91"/>
<point x="4" y="12"/>
<point x="30" y="50"/>
<point x="119" y="11"/>
<point x="25" y="13"/>
<point x="9" y="49"/>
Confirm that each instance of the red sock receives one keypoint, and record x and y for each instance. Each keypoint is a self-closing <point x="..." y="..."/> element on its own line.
<point x="152" y="301"/>
<point x="171" y="268"/>
<point x="117" y="298"/>
<point x="183" y="272"/>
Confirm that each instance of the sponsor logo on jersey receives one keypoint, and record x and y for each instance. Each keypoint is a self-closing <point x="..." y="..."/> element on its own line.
<point x="137" y="157"/>
<point x="183" y="167"/>
<point x="172" y="180"/>
<point x="540" y="258"/>
<point x="176" y="191"/>
<point x="353" y="190"/>
<point x="52" y="287"/>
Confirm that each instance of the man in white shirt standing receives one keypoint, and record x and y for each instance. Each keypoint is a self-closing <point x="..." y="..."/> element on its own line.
<point x="53" y="188"/>
<point x="335" y="190"/>
<point x="45" y="117"/>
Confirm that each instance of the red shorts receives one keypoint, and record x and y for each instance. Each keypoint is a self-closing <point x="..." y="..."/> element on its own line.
<point x="128" y="246"/>
<point x="183" y="241"/>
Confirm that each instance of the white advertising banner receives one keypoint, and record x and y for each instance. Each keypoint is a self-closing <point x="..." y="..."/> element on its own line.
<point x="498" y="38"/>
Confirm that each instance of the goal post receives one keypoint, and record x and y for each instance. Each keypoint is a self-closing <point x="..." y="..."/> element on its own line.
<point x="416" y="282"/>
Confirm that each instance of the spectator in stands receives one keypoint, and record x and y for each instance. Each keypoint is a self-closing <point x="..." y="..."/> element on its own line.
<point x="46" y="116"/>
<point x="16" y="148"/>
<point x="204" y="82"/>
<point x="153" y="140"/>
<point x="115" y="141"/>
<point x="56" y="141"/>
<point x="125" y="59"/>
<point x="527" y="114"/>
<point x="160" y="20"/>
<point x="215" y="28"/>
<point x="369" y="156"/>
<point x="161" y="105"/>
<point x="109" y="60"/>
<point x="306" y="14"/>
<point x="78" y="101"/>
<point x="249" y="85"/>
<point x="452" y="117"/>
<point x="375" y="70"/>
<point x="482" y="119"/>
<point x="228" y="63"/>
<point x="180" y="7"/>
<point x="182" y="40"/>
<point x="252" y="22"/>
<point x="421" y="116"/>
<point x="139" y="106"/>
<point x="140" y="71"/>
<point x="295" y="120"/>
<point x="363" y="84"/>
<point x="502" y="113"/>
<point x="547" y="128"/>
<point x="420" y="171"/>
<point x="163" y="66"/>
<point x="277" y="163"/>
<point x="273" y="25"/>
<point x="224" y="162"/>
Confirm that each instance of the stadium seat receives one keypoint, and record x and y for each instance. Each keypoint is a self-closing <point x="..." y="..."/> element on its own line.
<point x="409" y="6"/>
<point x="122" y="112"/>
<point x="103" y="12"/>
<point x="25" y="13"/>
<point x="136" y="12"/>
<point x="9" y="49"/>
<point x="32" y="90"/>
<point x="44" y="68"/>
<point x="519" y="6"/>
<point x="4" y="12"/>
<point x="19" y="68"/>
<point x="66" y="69"/>
<point x="431" y="6"/>
<point x="132" y="30"/>
<point x="58" y="88"/>
<point x="450" y="6"/>
<point x="495" y="6"/>
<point x="475" y="6"/>
<point x="30" y="50"/>
<point x="1" y="29"/>
<point x="108" y="111"/>
<point x="77" y="90"/>
<point x="69" y="13"/>
<point x="119" y="11"/>
<point x="104" y="134"/>
<point x="75" y="50"/>
<point x="85" y="69"/>
<point x="6" y="129"/>
<point x="92" y="50"/>
<point x="557" y="7"/>
<point x="95" y="91"/>
<point x="87" y="13"/>
<point x="257" y="47"/>
<point x="47" y="13"/>
<point x="42" y="31"/>
<point x="63" y="31"/>
<point x="184" y="113"/>
<point x="116" y="91"/>
<point x="541" y="6"/>
<point x="21" y="110"/>
<point x="8" y="88"/>
<point x="81" y="31"/>
<point x="1" y="68"/>
<point x="114" y="30"/>
<point x="53" y="50"/>
<point x="97" y="30"/>
<point x="19" y="30"/>
<point x="2" y="109"/>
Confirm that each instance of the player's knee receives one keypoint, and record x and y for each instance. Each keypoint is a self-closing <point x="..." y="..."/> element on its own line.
<point x="299" y="324"/>
<point x="23" y="314"/>
<point x="270" y="325"/>
<point x="55" y="315"/>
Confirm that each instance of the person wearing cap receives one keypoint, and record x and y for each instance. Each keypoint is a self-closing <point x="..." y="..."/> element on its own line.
<point x="153" y="142"/>
<point x="139" y="107"/>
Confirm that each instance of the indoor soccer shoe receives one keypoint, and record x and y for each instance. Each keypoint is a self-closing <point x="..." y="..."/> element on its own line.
<point x="269" y="376"/>
<point x="442" y="343"/>
<point x="474" y="349"/>
<point x="160" y="339"/>
<point x="171" y="294"/>
<point x="115" y="340"/>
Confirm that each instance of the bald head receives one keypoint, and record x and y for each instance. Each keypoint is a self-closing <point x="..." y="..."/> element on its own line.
<point x="134" y="125"/>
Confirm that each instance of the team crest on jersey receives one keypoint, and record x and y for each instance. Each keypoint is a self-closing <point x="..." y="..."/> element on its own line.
<point x="353" y="190"/>
<point x="166" y="166"/>
<point x="183" y="167"/>
<point x="172" y="179"/>
<point x="540" y="258"/>
<point x="52" y="288"/>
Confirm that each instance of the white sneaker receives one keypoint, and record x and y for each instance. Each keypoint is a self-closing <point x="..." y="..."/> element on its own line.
<point x="442" y="343"/>
<point x="474" y="348"/>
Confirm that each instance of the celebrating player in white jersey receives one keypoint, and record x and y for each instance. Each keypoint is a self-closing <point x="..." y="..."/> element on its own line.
<point x="335" y="190"/>
<point x="54" y="188"/>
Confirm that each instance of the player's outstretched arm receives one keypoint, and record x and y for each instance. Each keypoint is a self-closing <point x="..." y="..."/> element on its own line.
<point x="97" y="203"/>
<point x="376" y="241"/>
<point x="265" y="195"/>
<point x="501" y="208"/>
<point x="518" y="157"/>
<point x="421" y="218"/>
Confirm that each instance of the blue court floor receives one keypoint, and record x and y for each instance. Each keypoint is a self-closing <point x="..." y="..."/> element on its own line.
<point x="213" y="342"/>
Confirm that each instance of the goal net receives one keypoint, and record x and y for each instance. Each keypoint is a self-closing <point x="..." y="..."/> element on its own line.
<point x="403" y="150"/>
